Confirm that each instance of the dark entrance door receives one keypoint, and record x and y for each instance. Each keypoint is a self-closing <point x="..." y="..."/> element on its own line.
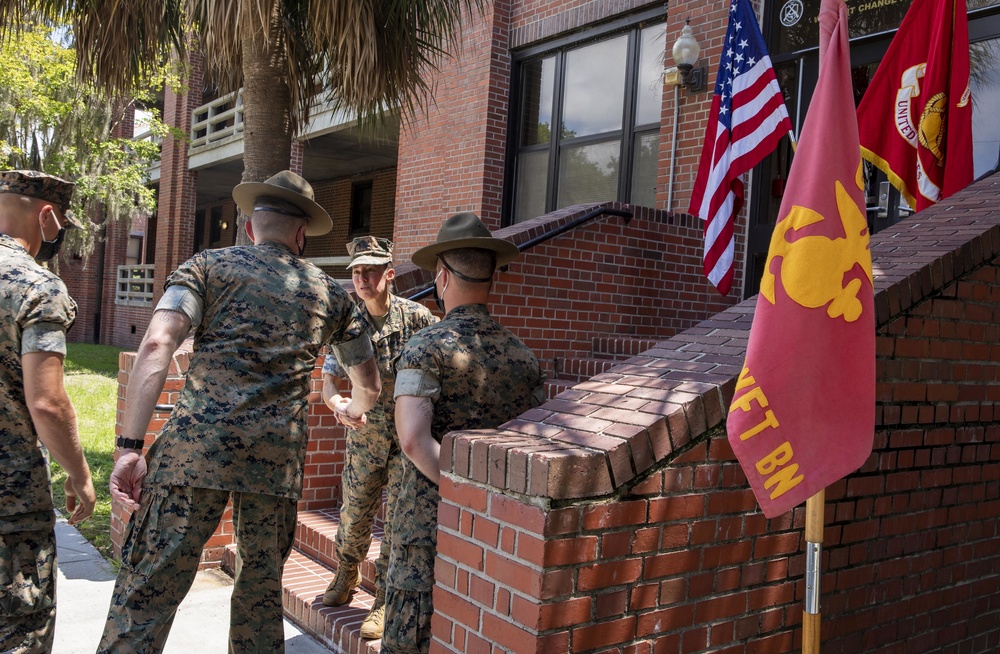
<point x="794" y="53"/>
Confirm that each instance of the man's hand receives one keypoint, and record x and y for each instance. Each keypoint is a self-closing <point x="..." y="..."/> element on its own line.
<point x="84" y="492"/>
<point x="346" y="413"/>
<point x="127" y="478"/>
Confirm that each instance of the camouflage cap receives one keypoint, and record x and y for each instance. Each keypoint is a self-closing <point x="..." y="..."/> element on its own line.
<point x="369" y="251"/>
<point x="34" y="184"/>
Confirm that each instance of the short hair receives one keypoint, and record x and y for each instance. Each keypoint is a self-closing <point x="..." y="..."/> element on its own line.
<point x="472" y="262"/>
<point x="278" y="205"/>
<point x="267" y="223"/>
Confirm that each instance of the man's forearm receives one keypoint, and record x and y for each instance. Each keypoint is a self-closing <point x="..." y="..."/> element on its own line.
<point x="149" y="374"/>
<point x="58" y="431"/>
<point x="425" y="453"/>
<point x="52" y="412"/>
<point x="146" y="381"/>
<point x="414" y="417"/>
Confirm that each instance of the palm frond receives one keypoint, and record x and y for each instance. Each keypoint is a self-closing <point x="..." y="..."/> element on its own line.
<point x="378" y="54"/>
<point x="121" y="45"/>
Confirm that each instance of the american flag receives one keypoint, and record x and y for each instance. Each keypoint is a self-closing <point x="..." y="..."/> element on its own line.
<point x="747" y="119"/>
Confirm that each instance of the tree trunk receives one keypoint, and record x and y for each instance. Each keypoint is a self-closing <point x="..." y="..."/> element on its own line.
<point x="267" y="126"/>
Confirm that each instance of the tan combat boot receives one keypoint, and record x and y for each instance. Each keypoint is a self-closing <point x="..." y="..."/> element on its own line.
<point x="339" y="591"/>
<point x="371" y="628"/>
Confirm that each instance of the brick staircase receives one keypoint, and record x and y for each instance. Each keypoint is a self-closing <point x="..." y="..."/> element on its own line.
<point x="606" y="352"/>
<point x="309" y="569"/>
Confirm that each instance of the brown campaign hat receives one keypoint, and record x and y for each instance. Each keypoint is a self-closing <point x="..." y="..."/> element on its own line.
<point x="289" y="187"/>
<point x="35" y="184"/>
<point x="464" y="230"/>
<point x="369" y="251"/>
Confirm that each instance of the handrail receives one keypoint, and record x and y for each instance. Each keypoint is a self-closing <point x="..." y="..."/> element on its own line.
<point x="624" y="214"/>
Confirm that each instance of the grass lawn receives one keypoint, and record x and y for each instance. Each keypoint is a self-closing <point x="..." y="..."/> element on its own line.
<point x="92" y="384"/>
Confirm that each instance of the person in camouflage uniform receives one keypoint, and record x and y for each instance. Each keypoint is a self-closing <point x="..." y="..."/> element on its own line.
<point x="260" y="315"/>
<point x="35" y="313"/>
<point x="466" y="372"/>
<point x="374" y="460"/>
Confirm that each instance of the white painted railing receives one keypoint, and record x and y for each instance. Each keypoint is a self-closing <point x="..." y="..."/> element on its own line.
<point x="135" y="285"/>
<point x="217" y="120"/>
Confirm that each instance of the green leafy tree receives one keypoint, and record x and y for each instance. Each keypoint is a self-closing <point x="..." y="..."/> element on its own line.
<point x="52" y="122"/>
<point x="361" y="55"/>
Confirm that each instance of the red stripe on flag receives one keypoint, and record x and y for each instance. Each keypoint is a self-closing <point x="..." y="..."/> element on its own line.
<point x="747" y="119"/>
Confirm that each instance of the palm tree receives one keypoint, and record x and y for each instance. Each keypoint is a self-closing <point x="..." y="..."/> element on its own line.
<point x="368" y="56"/>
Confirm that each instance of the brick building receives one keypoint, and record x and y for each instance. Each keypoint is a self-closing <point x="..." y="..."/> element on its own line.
<point x="614" y="518"/>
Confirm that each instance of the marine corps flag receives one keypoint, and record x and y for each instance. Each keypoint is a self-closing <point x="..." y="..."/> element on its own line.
<point x="803" y="414"/>
<point x="915" y="121"/>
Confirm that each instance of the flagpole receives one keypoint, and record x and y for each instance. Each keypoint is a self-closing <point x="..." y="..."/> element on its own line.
<point x="814" y="551"/>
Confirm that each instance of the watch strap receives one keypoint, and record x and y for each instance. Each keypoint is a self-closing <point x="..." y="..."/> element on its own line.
<point x="128" y="443"/>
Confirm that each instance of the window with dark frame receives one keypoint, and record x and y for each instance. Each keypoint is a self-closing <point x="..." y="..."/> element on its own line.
<point x="604" y="95"/>
<point x="133" y="250"/>
<point x="361" y="207"/>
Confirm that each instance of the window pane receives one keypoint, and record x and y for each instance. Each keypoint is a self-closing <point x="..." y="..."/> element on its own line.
<point x="649" y="86"/>
<point x="985" y="63"/>
<point x="589" y="173"/>
<point x="646" y="152"/>
<point x="537" y="80"/>
<point x="532" y="175"/>
<point x="594" y="88"/>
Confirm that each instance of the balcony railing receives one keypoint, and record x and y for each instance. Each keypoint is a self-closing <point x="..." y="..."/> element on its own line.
<point x="219" y="119"/>
<point x="135" y="285"/>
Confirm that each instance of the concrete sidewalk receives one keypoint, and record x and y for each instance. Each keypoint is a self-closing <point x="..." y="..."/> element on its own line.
<point x="83" y="593"/>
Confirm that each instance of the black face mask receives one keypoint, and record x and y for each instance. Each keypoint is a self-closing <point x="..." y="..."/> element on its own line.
<point x="50" y="249"/>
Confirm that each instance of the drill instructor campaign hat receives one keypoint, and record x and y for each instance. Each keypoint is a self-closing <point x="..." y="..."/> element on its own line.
<point x="464" y="230"/>
<point x="289" y="187"/>
<point x="35" y="184"/>
<point x="369" y="251"/>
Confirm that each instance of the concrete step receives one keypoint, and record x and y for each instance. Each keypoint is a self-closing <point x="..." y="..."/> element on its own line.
<point x="310" y="568"/>
<point x="554" y="387"/>
<point x="578" y="369"/>
<point x="315" y="534"/>
<point x="622" y="347"/>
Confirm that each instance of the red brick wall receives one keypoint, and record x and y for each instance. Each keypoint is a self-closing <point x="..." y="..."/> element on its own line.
<point x="616" y="519"/>
<point x="80" y="277"/>
<point x="451" y="155"/>
<point x="604" y="278"/>
<point x="335" y="196"/>
<point x="178" y="185"/>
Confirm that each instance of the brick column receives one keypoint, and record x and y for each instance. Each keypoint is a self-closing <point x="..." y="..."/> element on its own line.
<point x="297" y="156"/>
<point x="451" y="156"/>
<point x="178" y="184"/>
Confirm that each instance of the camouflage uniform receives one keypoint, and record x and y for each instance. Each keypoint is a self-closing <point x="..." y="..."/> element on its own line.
<point x="35" y="312"/>
<point x="374" y="460"/>
<point x="239" y="427"/>
<point x="478" y="375"/>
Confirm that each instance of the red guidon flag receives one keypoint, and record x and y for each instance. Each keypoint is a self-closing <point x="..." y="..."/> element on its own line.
<point x="915" y="121"/>
<point x="803" y="414"/>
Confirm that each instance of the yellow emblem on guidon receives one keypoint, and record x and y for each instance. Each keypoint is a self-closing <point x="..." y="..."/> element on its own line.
<point x="812" y="268"/>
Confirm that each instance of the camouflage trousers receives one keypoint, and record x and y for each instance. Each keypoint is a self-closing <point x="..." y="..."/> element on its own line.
<point x="407" y="621"/>
<point x="160" y="558"/>
<point x="27" y="590"/>
<point x="366" y="473"/>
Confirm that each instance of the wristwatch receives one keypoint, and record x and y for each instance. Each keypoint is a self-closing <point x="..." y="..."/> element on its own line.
<point x="128" y="443"/>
